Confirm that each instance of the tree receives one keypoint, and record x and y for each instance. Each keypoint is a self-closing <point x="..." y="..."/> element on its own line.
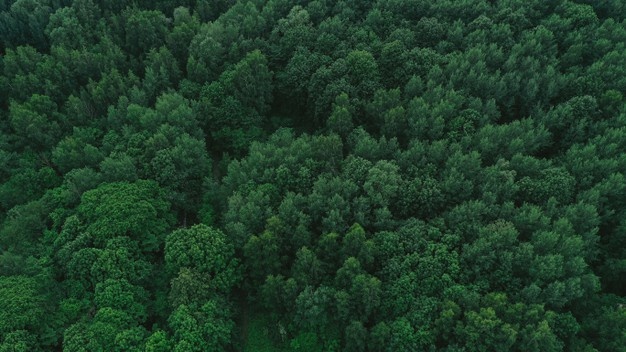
<point x="180" y="169"/>
<point x="393" y="63"/>
<point x="490" y="259"/>
<point x="210" y="327"/>
<point x="250" y="82"/>
<point x="158" y="342"/>
<point x="356" y="337"/>
<point x="77" y="150"/>
<point x="122" y="258"/>
<point x="74" y="26"/>
<point x="232" y="109"/>
<point x="307" y="269"/>
<point x="483" y="330"/>
<point x="99" y="334"/>
<point x="23" y="226"/>
<point x="118" y="167"/>
<point x="19" y="341"/>
<point x="382" y="182"/>
<point x="27" y="183"/>
<point x="35" y="123"/>
<point x="363" y="72"/>
<point x="551" y="182"/>
<point x="144" y="30"/>
<point x="179" y="39"/>
<point x="190" y="287"/>
<point x="292" y="83"/>
<point x="291" y="33"/>
<point x="394" y="175"/>
<point x="305" y="342"/>
<point x="162" y="72"/>
<point x="263" y="257"/>
<point x="355" y="244"/>
<point x="21" y="304"/>
<point x="206" y="250"/>
<point x="24" y="23"/>
<point x="340" y="120"/>
<point x="122" y="295"/>
<point x="134" y="209"/>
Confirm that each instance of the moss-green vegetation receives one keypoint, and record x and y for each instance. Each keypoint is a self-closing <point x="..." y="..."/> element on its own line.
<point x="312" y="175"/>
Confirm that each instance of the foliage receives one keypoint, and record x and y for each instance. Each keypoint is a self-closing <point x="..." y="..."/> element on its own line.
<point x="389" y="175"/>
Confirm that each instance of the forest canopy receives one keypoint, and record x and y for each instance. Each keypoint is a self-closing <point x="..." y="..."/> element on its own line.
<point x="247" y="175"/>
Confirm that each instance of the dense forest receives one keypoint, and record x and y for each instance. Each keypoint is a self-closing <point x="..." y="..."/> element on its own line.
<point x="295" y="175"/>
